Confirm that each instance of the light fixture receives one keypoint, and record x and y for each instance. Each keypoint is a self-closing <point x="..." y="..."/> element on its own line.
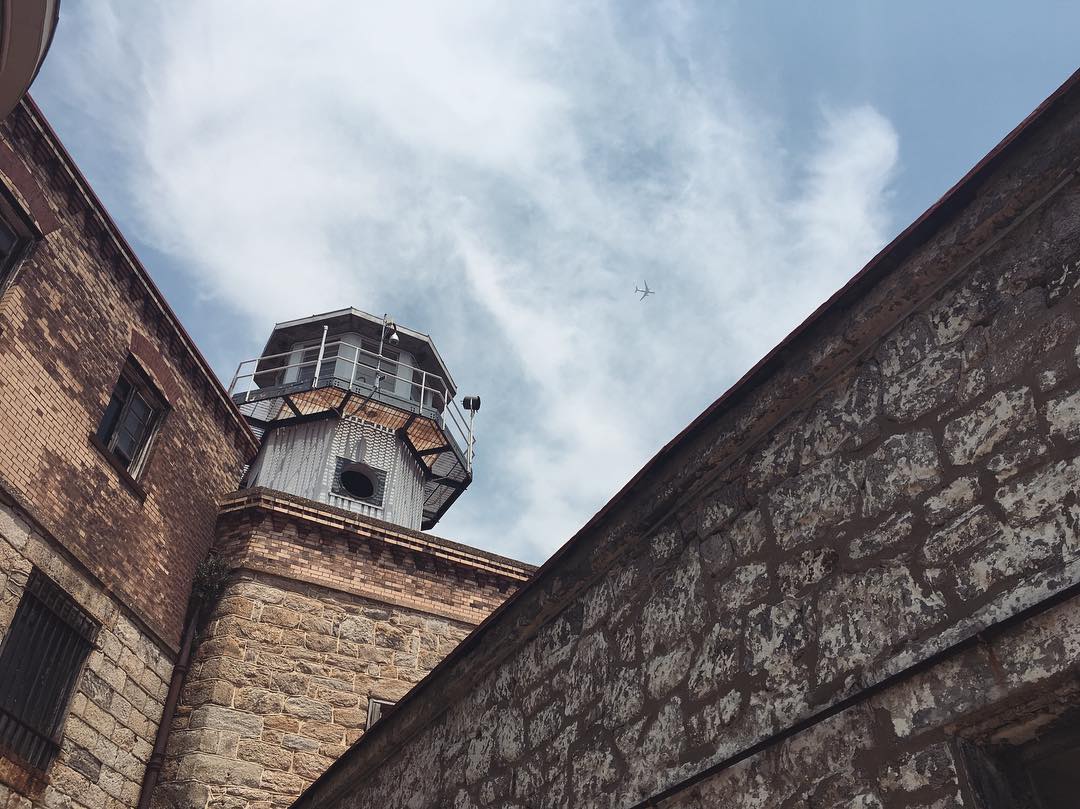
<point x="471" y="403"/>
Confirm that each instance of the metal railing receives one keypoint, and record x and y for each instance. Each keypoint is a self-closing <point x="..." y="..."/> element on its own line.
<point x="342" y="364"/>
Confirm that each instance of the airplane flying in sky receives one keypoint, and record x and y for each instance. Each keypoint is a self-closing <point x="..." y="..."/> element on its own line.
<point x="645" y="292"/>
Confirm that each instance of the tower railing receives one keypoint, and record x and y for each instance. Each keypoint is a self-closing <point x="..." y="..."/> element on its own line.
<point x="343" y="365"/>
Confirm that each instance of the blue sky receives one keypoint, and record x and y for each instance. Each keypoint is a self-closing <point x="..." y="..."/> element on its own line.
<point x="502" y="175"/>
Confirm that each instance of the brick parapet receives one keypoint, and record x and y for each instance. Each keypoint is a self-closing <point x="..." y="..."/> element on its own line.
<point x="285" y="535"/>
<point x="899" y="476"/>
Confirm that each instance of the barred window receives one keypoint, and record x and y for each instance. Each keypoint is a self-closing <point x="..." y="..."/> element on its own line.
<point x="133" y="412"/>
<point x="375" y="710"/>
<point x="40" y="660"/>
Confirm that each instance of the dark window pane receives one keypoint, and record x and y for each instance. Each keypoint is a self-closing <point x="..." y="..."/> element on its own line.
<point x="128" y="420"/>
<point x="8" y="240"/>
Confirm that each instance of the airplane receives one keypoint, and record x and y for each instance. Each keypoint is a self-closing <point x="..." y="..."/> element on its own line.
<point x="645" y="292"/>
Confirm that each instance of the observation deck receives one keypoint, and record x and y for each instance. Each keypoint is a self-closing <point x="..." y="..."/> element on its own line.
<point x="341" y="378"/>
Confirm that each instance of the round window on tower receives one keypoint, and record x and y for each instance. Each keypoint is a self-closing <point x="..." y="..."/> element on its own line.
<point x="359" y="480"/>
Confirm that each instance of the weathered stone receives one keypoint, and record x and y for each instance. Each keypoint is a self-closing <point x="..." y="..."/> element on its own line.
<point x="744" y="585"/>
<point x="961" y="537"/>
<point x="221" y="718"/>
<point x="927" y="386"/>
<point x="676" y="602"/>
<point x="666" y="671"/>
<point x="951" y="500"/>
<point x="806" y="569"/>
<point x="269" y="755"/>
<point x="961" y="309"/>
<point x="588" y="668"/>
<point x="847" y="418"/>
<point x="221" y="771"/>
<point x="1012" y="552"/>
<point x="358" y="630"/>
<point x="805" y="506"/>
<point x="776" y="636"/>
<point x="747" y="533"/>
<point x="1004" y="416"/>
<point x="1034" y="497"/>
<point x="890" y="534"/>
<point x="863" y="615"/>
<point x="903" y="466"/>
<point x="1063" y="415"/>
<point x="307" y="708"/>
<point x="906" y="346"/>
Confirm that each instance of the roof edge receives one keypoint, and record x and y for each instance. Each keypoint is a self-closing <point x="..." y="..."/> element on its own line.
<point x="910" y="239"/>
<point x="43" y="125"/>
<point x="302" y="508"/>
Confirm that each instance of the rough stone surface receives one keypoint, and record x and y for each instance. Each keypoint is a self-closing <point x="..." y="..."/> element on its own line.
<point x="903" y="478"/>
<point x="113" y="716"/>
<point x="280" y="685"/>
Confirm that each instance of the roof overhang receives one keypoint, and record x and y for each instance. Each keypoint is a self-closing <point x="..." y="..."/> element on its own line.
<point x="342" y="320"/>
<point x="26" y="32"/>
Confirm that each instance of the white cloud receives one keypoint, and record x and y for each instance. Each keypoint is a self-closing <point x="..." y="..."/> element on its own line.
<point x="502" y="174"/>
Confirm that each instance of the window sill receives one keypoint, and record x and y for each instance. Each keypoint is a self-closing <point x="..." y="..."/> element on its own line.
<point x="129" y="482"/>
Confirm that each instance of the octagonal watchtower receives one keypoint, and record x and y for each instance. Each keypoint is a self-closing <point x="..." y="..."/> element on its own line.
<point x="358" y="412"/>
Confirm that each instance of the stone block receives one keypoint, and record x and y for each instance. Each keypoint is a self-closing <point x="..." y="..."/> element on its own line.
<point x="220" y="771"/>
<point x="307" y="708"/>
<point x="218" y="717"/>
<point x="863" y="615"/>
<point x="1063" y="416"/>
<point x="1038" y="494"/>
<point x="890" y="536"/>
<point x="969" y="531"/>
<point x="813" y="501"/>
<point x="903" y="466"/>
<point x="952" y="500"/>
<point x="1003" y="417"/>
<point x="927" y="386"/>
<point x="269" y="755"/>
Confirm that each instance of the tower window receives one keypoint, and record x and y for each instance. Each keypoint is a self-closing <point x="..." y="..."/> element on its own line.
<point x="40" y="661"/>
<point x="375" y="710"/>
<point x="131" y="416"/>
<point x="344" y="487"/>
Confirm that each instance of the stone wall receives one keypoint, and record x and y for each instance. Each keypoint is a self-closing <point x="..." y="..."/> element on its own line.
<point x="280" y="687"/>
<point x="326" y="610"/>
<point x="109" y="731"/>
<point x="898" y="478"/>
<point x="78" y="307"/>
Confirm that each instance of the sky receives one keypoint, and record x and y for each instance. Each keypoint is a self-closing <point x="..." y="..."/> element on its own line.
<point x="502" y="175"/>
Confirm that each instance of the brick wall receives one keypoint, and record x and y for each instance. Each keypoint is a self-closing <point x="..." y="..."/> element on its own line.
<point x="109" y="731"/>
<point x="78" y="307"/>
<point x="286" y="535"/>
<point x="899" y="478"/>
<point x="325" y="610"/>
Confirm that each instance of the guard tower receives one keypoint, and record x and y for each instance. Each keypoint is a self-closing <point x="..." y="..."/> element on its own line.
<point x="358" y="412"/>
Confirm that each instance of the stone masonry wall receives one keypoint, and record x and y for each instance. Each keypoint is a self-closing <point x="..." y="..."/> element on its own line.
<point x="280" y="687"/>
<point x="109" y="731"/>
<point x="904" y="478"/>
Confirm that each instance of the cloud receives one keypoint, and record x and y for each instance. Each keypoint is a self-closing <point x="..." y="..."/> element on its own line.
<point x="500" y="176"/>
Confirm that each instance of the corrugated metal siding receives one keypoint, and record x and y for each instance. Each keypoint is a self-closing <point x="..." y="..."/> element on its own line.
<point x="301" y="459"/>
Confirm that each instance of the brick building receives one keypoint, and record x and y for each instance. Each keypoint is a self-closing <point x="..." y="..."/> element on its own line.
<point x="159" y="627"/>
<point x="852" y="583"/>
